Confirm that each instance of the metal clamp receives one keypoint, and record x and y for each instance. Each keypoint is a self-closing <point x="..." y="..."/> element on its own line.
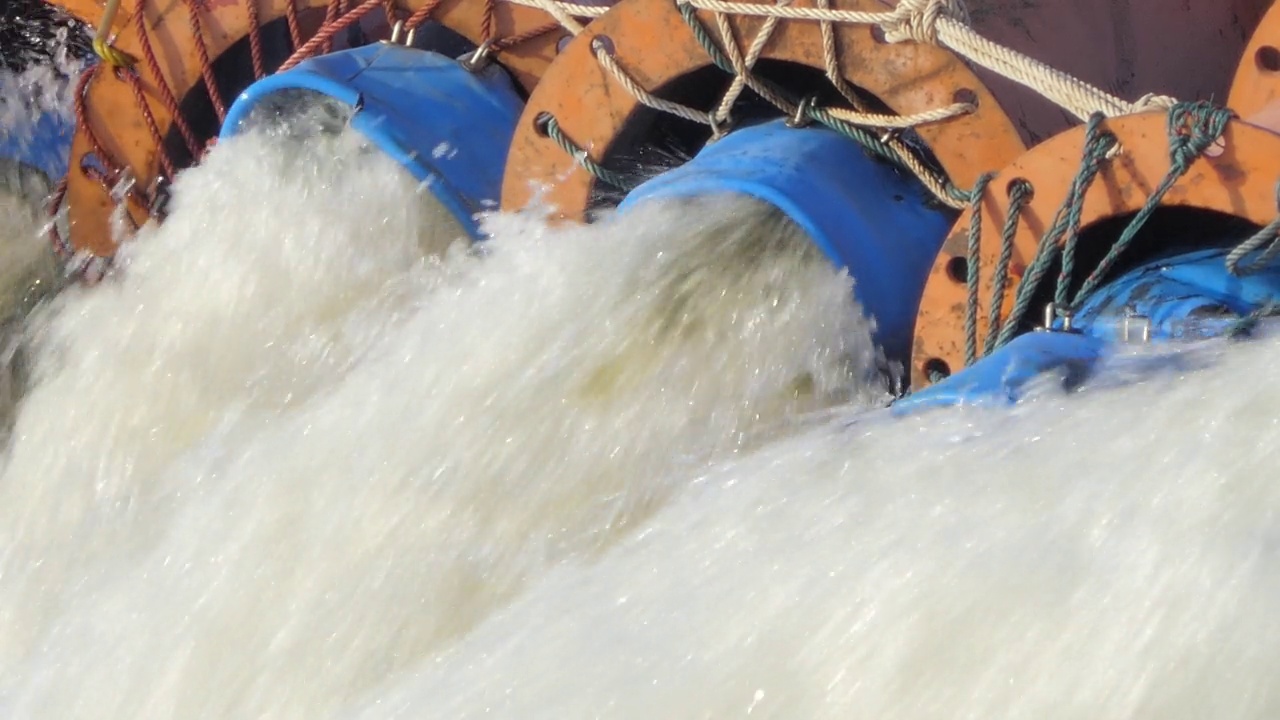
<point x="720" y="128"/>
<point x="1146" y="328"/>
<point x="801" y="117"/>
<point x="479" y="59"/>
<point x="399" y="36"/>
<point x="1050" y="313"/>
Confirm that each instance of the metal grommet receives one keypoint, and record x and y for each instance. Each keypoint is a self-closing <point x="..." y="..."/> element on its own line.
<point x="479" y="59"/>
<point x="801" y="117"/>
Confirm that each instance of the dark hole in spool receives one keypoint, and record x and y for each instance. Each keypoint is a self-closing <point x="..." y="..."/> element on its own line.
<point x="958" y="269"/>
<point x="1014" y="183"/>
<point x="603" y="42"/>
<point x="90" y="161"/>
<point x="936" y="368"/>
<point x="1268" y="58"/>
<point x="541" y="121"/>
<point x="966" y="96"/>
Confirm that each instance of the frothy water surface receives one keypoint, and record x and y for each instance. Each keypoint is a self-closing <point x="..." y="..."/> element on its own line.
<point x="304" y="455"/>
<point x="299" y="443"/>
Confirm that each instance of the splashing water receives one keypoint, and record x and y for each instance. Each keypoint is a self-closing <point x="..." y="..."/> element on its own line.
<point x="1112" y="555"/>
<point x="306" y="455"/>
<point x="284" y="454"/>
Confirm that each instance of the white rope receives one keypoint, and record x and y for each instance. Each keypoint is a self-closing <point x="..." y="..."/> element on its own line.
<point x="556" y="10"/>
<point x="945" y="23"/>
<point x="647" y="98"/>
<point x="572" y="10"/>
<point x="876" y="120"/>
<point x="742" y="66"/>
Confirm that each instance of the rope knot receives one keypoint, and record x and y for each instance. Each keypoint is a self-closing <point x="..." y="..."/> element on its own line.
<point x="917" y="20"/>
<point x="1193" y="127"/>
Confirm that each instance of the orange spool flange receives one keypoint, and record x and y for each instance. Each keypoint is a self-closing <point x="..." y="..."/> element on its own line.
<point x="1240" y="181"/>
<point x="125" y="114"/>
<point x="1257" y="79"/>
<point x="653" y="44"/>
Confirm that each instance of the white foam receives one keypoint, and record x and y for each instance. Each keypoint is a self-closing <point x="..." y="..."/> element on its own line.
<point x="284" y="455"/>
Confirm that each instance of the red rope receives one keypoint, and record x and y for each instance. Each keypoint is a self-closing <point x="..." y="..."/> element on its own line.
<point x="255" y="40"/>
<point x="131" y="77"/>
<point x="83" y="123"/>
<point x="486" y="23"/>
<point x="162" y="85"/>
<point x="206" y="67"/>
<point x="61" y="247"/>
<point x="392" y="12"/>
<point x="291" y="15"/>
<point x="421" y="15"/>
<point x="510" y="41"/>
<point x="326" y="33"/>
<point x="331" y="14"/>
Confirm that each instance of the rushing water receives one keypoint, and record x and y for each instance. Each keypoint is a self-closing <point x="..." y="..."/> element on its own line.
<point x="304" y="456"/>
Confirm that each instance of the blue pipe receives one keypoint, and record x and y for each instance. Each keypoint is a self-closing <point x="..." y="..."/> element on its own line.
<point x="449" y="127"/>
<point x="1185" y="297"/>
<point x="863" y="214"/>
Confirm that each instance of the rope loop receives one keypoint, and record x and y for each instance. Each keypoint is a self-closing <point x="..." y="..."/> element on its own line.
<point x="1268" y="238"/>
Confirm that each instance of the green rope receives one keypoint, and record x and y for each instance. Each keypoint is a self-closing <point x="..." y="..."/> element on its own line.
<point x="1268" y="236"/>
<point x="1193" y="128"/>
<point x="972" y="264"/>
<point x="1097" y="146"/>
<point x="582" y="158"/>
<point x="857" y="134"/>
<point x="1020" y="192"/>
<point x="1244" y="327"/>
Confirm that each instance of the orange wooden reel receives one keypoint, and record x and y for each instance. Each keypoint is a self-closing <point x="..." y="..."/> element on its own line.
<point x="139" y="120"/>
<point x="653" y="44"/>
<point x="1257" y="82"/>
<point x="1257" y="78"/>
<point x="1239" y="182"/>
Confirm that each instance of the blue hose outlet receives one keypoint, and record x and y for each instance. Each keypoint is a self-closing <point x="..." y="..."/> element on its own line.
<point x="1185" y="297"/>
<point x="862" y="213"/>
<point x="450" y="128"/>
